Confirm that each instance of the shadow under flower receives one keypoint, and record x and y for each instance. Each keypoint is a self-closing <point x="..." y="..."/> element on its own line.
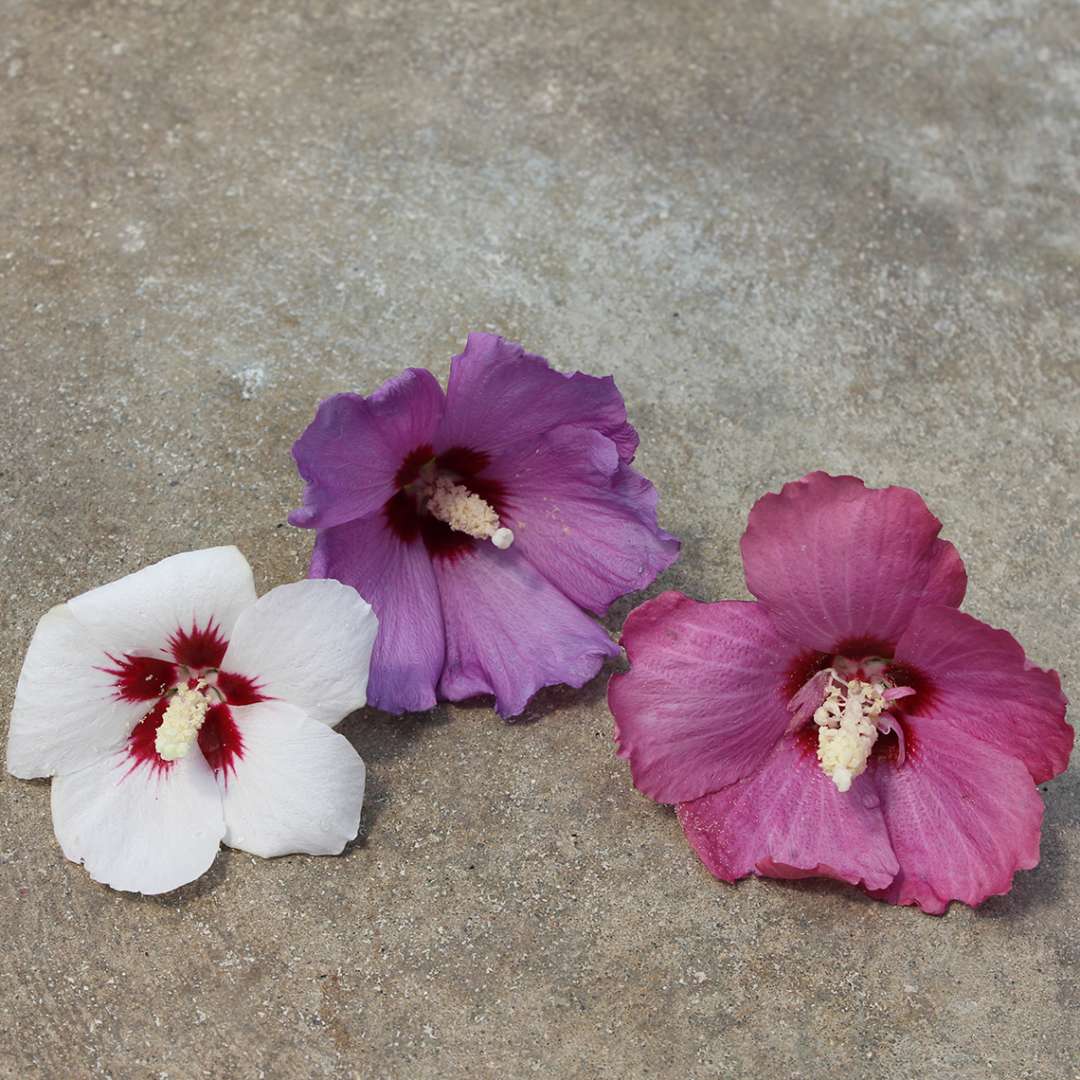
<point x="1034" y="890"/>
<point x="202" y="886"/>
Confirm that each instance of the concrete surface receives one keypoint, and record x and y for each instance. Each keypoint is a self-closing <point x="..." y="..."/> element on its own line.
<point x="803" y="234"/>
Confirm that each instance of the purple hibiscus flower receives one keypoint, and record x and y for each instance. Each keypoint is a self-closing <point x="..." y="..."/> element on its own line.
<point x="480" y="522"/>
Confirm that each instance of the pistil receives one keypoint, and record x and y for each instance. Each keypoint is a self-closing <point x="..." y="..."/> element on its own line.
<point x="466" y="512"/>
<point x="180" y="725"/>
<point x="848" y="727"/>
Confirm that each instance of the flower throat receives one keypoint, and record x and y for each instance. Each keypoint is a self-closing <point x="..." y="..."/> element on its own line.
<point x="849" y="702"/>
<point x="444" y="500"/>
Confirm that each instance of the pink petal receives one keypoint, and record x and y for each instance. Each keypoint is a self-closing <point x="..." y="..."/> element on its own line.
<point x="498" y="394"/>
<point x="809" y="697"/>
<point x="888" y="724"/>
<point x="963" y="817"/>
<point x="789" y="821"/>
<point x="701" y="705"/>
<point x="351" y="452"/>
<point x="980" y="682"/>
<point x="509" y="631"/>
<point x="835" y="562"/>
<point x="584" y="519"/>
<point x="396" y="578"/>
<point x="896" y="693"/>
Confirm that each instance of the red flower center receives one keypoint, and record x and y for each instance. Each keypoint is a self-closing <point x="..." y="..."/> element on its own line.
<point x="407" y="512"/>
<point x="194" y="666"/>
<point x="869" y="664"/>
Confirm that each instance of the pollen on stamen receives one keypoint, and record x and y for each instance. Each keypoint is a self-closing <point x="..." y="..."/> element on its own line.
<point x="848" y="728"/>
<point x="464" y="511"/>
<point x="181" y="722"/>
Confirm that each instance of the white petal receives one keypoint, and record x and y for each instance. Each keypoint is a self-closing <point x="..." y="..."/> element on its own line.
<point x="143" y="829"/>
<point x="139" y="612"/>
<point x="308" y="643"/>
<point x="298" y="786"/>
<point x="66" y="713"/>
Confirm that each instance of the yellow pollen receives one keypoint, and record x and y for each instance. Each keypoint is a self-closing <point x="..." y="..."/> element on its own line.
<point x="181" y="722"/>
<point x="847" y="728"/>
<point x="464" y="511"/>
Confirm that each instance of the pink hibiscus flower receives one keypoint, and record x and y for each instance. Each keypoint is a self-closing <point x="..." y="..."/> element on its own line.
<point x="482" y="523"/>
<point x="851" y="723"/>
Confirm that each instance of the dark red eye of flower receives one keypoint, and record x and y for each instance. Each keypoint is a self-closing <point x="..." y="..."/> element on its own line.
<point x="800" y="670"/>
<point x="408" y="511"/>
<point x="199" y="647"/>
<point x="141" y="748"/>
<point x="896" y="747"/>
<point x="220" y="740"/>
<point x="925" y="692"/>
<point x="849" y="708"/>
<point x="190" y="684"/>
<point x="413" y="463"/>
<point x="141" y="678"/>
<point x="238" y="689"/>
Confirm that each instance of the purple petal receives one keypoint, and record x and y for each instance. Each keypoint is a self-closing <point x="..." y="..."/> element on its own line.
<point x="980" y="682"/>
<point x="836" y="562"/>
<point x="789" y="821"/>
<point x="509" y="631"/>
<point x="353" y="449"/>
<point x="396" y="578"/>
<point x="701" y="706"/>
<point x="963" y="818"/>
<point x="582" y="517"/>
<point x="498" y="395"/>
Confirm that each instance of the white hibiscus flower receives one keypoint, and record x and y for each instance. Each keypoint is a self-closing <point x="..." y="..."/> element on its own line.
<point x="178" y="712"/>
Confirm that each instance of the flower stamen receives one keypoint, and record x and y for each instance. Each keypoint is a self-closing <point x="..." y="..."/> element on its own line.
<point x="464" y="511"/>
<point x="848" y="727"/>
<point x="180" y="725"/>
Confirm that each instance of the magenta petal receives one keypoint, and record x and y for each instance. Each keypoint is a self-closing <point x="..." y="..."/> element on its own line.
<point x="963" y="818"/>
<point x="947" y="581"/>
<point x="834" y="561"/>
<point x="350" y="453"/>
<point x="980" y="682"/>
<point x="509" y="631"/>
<point x="498" y="395"/>
<point x="582" y="517"/>
<point x="808" y="699"/>
<point x="789" y="821"/>
<point x="701" y="705"/>
<point x="397" y="579"/>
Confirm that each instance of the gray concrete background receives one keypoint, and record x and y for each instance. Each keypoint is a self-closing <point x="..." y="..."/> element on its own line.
<point x="801" y="235"/>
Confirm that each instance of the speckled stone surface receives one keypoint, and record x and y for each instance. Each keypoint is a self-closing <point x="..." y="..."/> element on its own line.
<point x="804" y="234"/>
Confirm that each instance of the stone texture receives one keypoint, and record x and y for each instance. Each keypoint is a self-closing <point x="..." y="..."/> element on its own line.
<point x="802" y="234"/>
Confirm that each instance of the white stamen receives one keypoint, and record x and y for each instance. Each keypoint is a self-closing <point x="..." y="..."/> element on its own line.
<point x="181" y="722"/>
<point x="466" y="512"/>
<point x="847" y="728"/>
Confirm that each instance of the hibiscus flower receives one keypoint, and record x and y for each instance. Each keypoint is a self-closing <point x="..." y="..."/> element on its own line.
<point x="851" y="723"/>
<point x="176" y="712"/>
<point x="480" y="522"/>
